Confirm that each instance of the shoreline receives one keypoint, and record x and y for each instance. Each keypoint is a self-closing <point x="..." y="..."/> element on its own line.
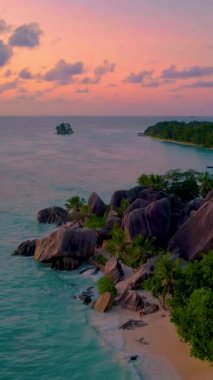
<point x="162" y="357"/>
<point x="165" y="357"/>
<point x="180" y="142"/>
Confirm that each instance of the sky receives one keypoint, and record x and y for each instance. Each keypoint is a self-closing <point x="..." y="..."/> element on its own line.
<point x="106" y="57"/>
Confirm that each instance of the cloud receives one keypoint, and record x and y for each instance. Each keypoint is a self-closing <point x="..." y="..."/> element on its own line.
<point x="139" y="77"/>
<point x="4" y="27"/>
<point x="25" y="74"/>
<point x="8" y="86"/>
<point x="199" y="84"/>
<point x="107" y="67"/>
<point x="5" y="53"/>
<point x="82" y="90"/>
<point x="88" y="81"/>
<point x="192" y="72"/>
<point x="63" y="72"/>
<point x="27" y="35"/>
<point x="99" y="72"/>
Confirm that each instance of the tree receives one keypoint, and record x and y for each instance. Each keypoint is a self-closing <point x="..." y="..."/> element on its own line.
<point x="154" y="181"/>
<point x="165" y="274"/>
<point x="75" y="203"/>
<point x="194" y="322"/>
<point x="206" y="183"/>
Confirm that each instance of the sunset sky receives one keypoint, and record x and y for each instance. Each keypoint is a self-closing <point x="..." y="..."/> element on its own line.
<point x="106" y="57"/>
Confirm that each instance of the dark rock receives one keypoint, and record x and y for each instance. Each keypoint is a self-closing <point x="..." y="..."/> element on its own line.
<point x="193" y="205"/>
<point x="151" y="195"/>
<point x="152" y="221"/>
<point x="86" y="297"/>
<point x="27" y="248"/>
<point x="131" y="300"/>
<point x="96" y="204"/>
<point x="131" y="324"/>
<point x="132" y="194"/>
<point x="150" y="308"/>
<point x="103" y="234"/>
<point x="65" y="263"/>
<point x="138" y="203"/>
<point x="195" y="236"/>
<point x="65" y="242"/>
<point x="52" y="215"/>
<point x="112" y="221"/>
<point x="113" y="269"/>
<point x="86" y="269"/>
<point x="133" y="358"/>
<point x="116" y="199"/>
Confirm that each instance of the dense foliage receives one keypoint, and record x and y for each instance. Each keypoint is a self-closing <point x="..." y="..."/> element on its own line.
<point x="132" y="253"/>
<point x="191" y="299"/>
<point x="194" y="132"/>
<point x="186" y="185"/>
<point x="105" y="284"/>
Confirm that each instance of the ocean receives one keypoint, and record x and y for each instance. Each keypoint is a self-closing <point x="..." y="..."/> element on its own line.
<point x="45" y="333"/>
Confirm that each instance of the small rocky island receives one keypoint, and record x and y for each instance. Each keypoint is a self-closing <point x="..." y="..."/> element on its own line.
<point x="195" y="132"/>
<point x="64" y="129"/>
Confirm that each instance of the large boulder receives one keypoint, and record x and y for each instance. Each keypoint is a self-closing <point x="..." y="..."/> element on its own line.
<point x="133" y="192"/>
<point x="113" y="269"/>
<point x="138" y="203"/>
<point x="195" y="236"/>
<point x="131" y="300"/>
<point x="27" y="248"/>
<point x="96" y="204"/>
<point x="104" y="302"/>
<point x="65" y="263"/>
<point x="52" y="215"/>
<point x="151" y="221"/>
<point x="193" y="205"/>
<point x="151" y="195"/>
<point x="116" y="199"/>
<point x="135" y="281"/>
<point x="77" y="243"/>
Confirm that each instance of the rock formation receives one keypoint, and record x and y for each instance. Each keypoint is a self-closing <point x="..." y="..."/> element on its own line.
<point x="52" y="215"/>
<point x="65" y="242"/>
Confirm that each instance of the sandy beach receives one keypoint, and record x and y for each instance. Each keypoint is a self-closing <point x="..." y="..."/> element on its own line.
<point x="163" y="341"/>
<point x="161" y="354"/>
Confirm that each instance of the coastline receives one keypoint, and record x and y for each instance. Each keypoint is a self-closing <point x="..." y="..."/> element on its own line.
<point x="165" y="357"/>
<point x="162" y="357"/>
<point x="180" y="143"/>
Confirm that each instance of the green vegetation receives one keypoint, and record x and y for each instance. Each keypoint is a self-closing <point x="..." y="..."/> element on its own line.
<point x="80" y="211"/>
<point x="105" y="284"/>
<point x="101" y="259"/>
<point x="191" y="299"/>
<point x="186" y="185"/>
<point x="164" y="278"/>
<point x="194" y="132"/>
<point x="94" y="221"/>
<point x="123" y="207"/>
<point x="74" y="203"/>
<point x="132" y="253"/>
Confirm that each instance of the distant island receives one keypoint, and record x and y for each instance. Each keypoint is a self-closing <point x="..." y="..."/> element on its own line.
<point x="64" y="129"/>
<point x="195" y="132"/>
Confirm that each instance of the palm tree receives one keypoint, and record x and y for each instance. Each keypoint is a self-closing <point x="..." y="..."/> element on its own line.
<point x="165" y="274"/>
<point x="74" y="203"/>
<point x="206" y="183"/>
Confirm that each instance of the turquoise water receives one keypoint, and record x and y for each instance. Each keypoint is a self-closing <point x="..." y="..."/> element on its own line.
<point x="44" y="332"/>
